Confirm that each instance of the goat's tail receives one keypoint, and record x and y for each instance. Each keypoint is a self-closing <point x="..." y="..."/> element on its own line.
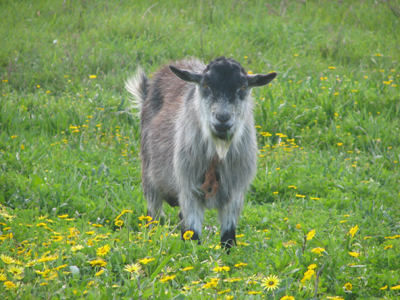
<point x="137" y="86"/>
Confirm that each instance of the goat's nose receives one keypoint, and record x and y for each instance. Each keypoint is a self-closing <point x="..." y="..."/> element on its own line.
<point x="223" y="117"/>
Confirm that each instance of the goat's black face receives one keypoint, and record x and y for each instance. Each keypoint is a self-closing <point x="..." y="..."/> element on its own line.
<point x="224" y="88"/>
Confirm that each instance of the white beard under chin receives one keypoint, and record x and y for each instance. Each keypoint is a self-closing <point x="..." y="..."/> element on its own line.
<point x="222" y="147"/>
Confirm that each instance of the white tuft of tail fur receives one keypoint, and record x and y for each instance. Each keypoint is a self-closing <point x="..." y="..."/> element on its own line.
<point x="137" y="87"/>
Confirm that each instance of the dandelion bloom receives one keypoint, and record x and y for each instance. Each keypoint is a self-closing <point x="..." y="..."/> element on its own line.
<point x="241" y="264"/>
<point x="232" y="279"/>
<point x="396" y="287"/>
<point x="99" y="262"/>
<point x="271" y="282"/>
<point x="310" y="235"/>
<point x="220" y="269"/>
<point x="99" y="272"/>
<point x="133" y="268"/>
<point x="312" y="267"/>
<point x="16" y="271"/>
<point x="9" y="285"/>
<point x="118" y="223"/>
<point x="354" y="254"/>
<point x="224" y="291"/>
<point x="307" y="275"/>
<point x="76" y="248"/>
<point x="353" y="230"/>
<point x="7" y="259"/>
<point x="287" y="298"/>
<point x="253" y="292"/>
<point x="3" y="277"/>
<point x="384" y="288"/>
<point x="103" y="251"/>
<point x="211" y="284"/>
<point x="188" y="235"/>
<point x="348" y="286"/>
<point x="147" y="218"/>
<point x="167" y="278"/>
<point x="187" y="268"/>
<point x="145" y="261"/>
<point x="318" y="250"/>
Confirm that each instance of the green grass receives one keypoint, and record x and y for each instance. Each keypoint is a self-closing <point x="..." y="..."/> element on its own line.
<point x="328" y="138"/>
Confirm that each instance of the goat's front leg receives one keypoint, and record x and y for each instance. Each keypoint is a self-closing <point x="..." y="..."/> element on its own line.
<point x="228" y="217"/>
<point x="191" y="214"/>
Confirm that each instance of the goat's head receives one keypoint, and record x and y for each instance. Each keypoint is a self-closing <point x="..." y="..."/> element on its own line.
<point x="224" y="87"/>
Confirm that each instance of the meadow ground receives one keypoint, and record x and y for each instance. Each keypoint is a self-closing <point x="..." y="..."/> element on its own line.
<point x="322" y="217"/>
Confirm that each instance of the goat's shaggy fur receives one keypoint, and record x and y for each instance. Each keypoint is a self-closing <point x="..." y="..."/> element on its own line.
<point x="191" y="115"/>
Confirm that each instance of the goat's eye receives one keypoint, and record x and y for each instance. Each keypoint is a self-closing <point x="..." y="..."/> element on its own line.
<point x="205" y="86"/>
<point x="242" y="89"/>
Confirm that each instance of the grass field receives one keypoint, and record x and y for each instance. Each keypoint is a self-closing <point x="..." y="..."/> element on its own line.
<point x="322" y="215"/>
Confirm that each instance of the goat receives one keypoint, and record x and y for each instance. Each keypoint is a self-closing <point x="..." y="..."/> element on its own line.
<point x="198" y="140"/>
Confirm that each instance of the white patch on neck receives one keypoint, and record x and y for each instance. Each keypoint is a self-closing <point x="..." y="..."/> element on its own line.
<point x="222" y="147"/>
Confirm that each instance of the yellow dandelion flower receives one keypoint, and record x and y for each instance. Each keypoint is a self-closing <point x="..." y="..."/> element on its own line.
<point x="312" y="267"/>
<point x="187" y="268"/>
<point x="76" y="248"/>
<point x="188" y="235"/>
<point x="287" y="298"/>
<point x="167" y="278"/>
<point x="289" y="244"/>
<point x="145" y="218"/>
<point x="145" y="261"/>
<point x="307" y="275"/>
<point x="3" y="277"/>
<point x="211" y="284"/>
<point x="253" y="292"/>
<point x="318" y="250"/>
<point x="9" y="285"/>
<point x="103" y="251"/>
<point x="63" y="216"/>
<point x="271" y="282"/>
<point x="396" y="287"/>
<point x="310" y="235"/>
<point x="221" y="269"/>
<point x="98" y="262"/>
<point x="60" y="267"/>
<point x="224" y="291"/>
<point x="354" y="254"/>
<point x="232" y="279"/>
<point x="353" y="231"/>
<point x="92" y="76"/>
<point x="99" y="272"/>
<point x="384" y="288"/>
<point x="118" y="223"/>
<point x="241" y="264"/>
<point x="133" y="268"/>
<point x="16" y="271"/>
<point x="348" y="286"/>
<point x="7" y="259"/>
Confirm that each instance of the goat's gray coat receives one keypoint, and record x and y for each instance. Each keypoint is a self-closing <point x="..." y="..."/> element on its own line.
<point x="178" y="143"/>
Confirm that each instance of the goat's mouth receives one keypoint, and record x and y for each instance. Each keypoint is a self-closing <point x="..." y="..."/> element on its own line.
<point x="222" y="131"/>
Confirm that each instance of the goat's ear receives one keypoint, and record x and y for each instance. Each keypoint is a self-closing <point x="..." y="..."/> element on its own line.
<point x="260" y="79"/>
<point x="186" y="75"/>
